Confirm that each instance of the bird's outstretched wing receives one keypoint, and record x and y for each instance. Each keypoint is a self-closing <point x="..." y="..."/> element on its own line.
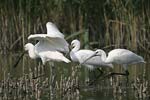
<point x="37" y="37"/>
<point x="53" y="31"/>
<point x="47" y="42"/>
<point x="60" y="43"/>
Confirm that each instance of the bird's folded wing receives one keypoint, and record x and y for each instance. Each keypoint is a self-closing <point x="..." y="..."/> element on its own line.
<point x="83" y="55"/>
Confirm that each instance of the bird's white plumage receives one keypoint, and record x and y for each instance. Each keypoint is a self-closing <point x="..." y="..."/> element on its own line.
<point x="53" y="56"/>
<point x="81" y="55"/>
<point x="50" y="45"/>
<point x="121" y="56"/>
<point x="45" y="55"/>
<point x="53" y="31"/>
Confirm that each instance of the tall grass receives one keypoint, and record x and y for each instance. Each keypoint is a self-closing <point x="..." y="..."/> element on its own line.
<point x="110" y="23"/>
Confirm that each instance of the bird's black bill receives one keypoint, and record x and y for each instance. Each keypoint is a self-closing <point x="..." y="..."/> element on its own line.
<point x="89" y="58"/>
<point x="20" y="57"/>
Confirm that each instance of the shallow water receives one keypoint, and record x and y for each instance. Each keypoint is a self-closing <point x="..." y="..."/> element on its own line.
<point x="113" y="88"/>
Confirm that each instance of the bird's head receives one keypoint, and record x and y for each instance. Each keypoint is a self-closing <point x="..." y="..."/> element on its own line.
<point x="28" y="46"/>
<point x="99" y="52"/>
<point x="75" y="43"/>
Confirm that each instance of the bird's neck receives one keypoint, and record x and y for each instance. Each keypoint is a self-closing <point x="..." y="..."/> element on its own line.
<point x="32" y="53"/>
<point x="73" y="52"/>
<point x="103" y="56"/>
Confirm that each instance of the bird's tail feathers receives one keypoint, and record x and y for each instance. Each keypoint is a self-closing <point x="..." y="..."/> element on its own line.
<point x="144" y="62"/>
<point x="66" y="60"/>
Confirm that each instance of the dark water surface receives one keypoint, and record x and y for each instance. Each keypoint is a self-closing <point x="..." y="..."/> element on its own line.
<point x="70" y="82"/>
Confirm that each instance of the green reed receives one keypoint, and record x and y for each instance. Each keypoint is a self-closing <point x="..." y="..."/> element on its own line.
<point x="109" y="23"/>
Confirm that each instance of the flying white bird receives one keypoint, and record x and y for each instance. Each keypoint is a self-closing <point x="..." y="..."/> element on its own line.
<point x="119" y="56"/>
<point x="50" y="45"/>
<point x="81" y="55"/>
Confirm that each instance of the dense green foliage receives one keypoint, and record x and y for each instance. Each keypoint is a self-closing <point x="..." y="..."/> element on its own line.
<point x="101" y="23"/>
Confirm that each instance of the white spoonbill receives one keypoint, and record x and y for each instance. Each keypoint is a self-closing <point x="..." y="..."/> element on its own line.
<point x="50" y="45"/>
<point x="81" y="55"/>
<point x="119" y="56"/>
<point x="36" y="51"/>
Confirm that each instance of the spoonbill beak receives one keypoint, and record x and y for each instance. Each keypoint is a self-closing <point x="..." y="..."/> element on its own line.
<point x="94" y="54"/>
<point x="18" y="60"/>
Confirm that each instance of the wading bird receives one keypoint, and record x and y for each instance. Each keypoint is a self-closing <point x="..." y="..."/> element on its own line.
<point x="93" y="63"/>
<point x="50" y="45"/>
<point x="48" y="48"/>
<point x="37" y="51"/>
<point x="119" y="56"/>
<point x="80" y="56"/>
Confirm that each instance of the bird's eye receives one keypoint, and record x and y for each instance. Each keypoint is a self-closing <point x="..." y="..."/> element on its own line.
<point x="97" y="52"/>
<point x="72" y="44"/>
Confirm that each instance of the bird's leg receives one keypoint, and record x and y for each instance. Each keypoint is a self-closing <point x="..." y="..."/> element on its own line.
<point x="127" y="74"/>
<point x="52" y="80"/>
<point x="101" y="72"/>
<point x="123" y="74"/>
<point x="94" y="73"/>
<point x="126" y="71"/>
<point x="44" y="69"/>
<point x="112" y="74"/>
<point x="96" y="76"/>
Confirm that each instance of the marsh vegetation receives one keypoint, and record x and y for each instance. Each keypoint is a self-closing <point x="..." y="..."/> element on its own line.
<point x="69" y="82"/>
<point x="105" y="24"/>
<point x="97" y="23"/>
